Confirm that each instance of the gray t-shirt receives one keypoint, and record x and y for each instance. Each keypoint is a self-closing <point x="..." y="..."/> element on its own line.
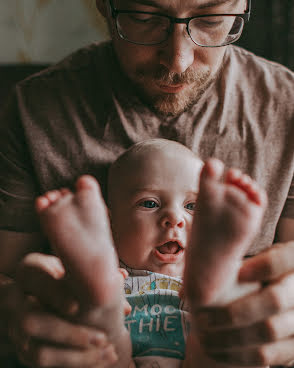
<point x="78" y="116"/>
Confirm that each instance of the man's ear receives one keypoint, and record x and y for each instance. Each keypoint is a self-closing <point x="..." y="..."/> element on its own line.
<point x="101" y="6"/>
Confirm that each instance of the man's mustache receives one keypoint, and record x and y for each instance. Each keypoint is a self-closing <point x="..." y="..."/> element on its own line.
<point x="164" y="76"/>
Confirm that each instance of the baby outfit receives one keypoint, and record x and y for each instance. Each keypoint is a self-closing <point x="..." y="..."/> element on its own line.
<point x="159" y="320"/>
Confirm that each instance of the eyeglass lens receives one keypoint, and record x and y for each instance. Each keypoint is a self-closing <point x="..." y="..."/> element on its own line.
<point x="153" y="29"/>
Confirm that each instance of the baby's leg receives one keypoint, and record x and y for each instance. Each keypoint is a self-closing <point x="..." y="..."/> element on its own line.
<point x="228" y="217"/>
<point x="78" y="230"/>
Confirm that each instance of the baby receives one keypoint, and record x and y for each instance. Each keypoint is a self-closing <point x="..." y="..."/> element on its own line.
<point x="152" y="195"/>
<point x="153" y="198"/>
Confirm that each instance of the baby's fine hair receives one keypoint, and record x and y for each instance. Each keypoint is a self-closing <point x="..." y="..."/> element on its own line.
<point x="140" y="148"/>
<point x="144" y="146"/>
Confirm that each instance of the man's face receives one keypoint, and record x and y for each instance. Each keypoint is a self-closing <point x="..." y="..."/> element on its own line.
<point x="173" y="75"/>
<point x="152" y="210"/>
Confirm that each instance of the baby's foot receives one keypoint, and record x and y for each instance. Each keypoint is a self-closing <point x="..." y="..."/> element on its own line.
<point x="77" y="227"/>
<point x="228" y="217"/>
<point x="78" y="230"/>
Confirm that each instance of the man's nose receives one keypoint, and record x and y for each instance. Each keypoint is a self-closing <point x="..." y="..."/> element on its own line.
<point x="177" y="53"/>
<point x="172" y="218"/>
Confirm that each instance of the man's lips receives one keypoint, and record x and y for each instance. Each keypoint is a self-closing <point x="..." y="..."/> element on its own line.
<point x="169" y="252"/>
<point x="172" y="88"/>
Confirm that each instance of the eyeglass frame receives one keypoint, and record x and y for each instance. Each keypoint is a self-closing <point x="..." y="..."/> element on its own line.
<point x="174" y="20"/>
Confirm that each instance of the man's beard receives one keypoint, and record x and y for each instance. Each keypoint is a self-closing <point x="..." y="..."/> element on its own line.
<point x="172" y="104"/>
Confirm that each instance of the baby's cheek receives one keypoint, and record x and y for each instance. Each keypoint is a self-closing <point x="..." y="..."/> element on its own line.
<point x="136" y="237"/>
<point x="141" y="223"/>
<point x="131" y="234"/>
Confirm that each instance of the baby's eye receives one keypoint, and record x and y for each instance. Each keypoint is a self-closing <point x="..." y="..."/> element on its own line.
<point x="148" y="204"/>
<point x="190" y="206"/>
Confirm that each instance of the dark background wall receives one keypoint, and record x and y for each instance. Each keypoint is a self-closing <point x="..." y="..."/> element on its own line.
<point x="270" y="32"/>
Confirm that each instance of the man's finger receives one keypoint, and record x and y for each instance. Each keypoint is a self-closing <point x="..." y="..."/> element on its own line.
<point x="270" y="264"/>
<point x="51" y="264"/>
<point x="38" y="355"/>
<point x="278" y="353"/>
<point x="41" y="276"/>
<point x="274" y="299"/>
<point x="280" y="326"/>
<point x="40" y="325"/>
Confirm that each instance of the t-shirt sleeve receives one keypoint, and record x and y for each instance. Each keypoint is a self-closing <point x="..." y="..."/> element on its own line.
<point x="18" y="188"/>
<point x="288" y="210"/>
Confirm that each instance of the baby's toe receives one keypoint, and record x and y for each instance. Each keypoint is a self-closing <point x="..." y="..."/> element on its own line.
<point x="41" y="203"/>
<point x="247" y="185"/>
<point x="212" y="169"/>
<point x="53" y="196"/>
<point x="87" y="182"/>
<point x="47" y="199"/>
<point x="233" y="176"/>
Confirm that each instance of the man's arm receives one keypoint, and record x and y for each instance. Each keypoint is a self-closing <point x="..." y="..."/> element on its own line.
<point x="285" y="230"/>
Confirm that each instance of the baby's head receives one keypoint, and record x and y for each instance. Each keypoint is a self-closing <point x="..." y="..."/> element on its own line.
<point x="152" y="190"/>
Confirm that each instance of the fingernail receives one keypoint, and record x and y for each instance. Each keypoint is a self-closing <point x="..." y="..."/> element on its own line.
<point x="98" y="339"/>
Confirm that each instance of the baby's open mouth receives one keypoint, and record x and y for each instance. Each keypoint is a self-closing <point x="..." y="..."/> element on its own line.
<point x="171" y="247"/>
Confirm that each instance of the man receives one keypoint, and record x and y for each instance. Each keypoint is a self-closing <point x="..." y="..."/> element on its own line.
<point x="170" y="74"/>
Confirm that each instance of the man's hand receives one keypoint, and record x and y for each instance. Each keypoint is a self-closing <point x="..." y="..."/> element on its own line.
<point x="40" y="323"/>
<point x="257" y="329"/>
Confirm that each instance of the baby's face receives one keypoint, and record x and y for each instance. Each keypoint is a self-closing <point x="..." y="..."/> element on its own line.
<point x="152" y="211"/>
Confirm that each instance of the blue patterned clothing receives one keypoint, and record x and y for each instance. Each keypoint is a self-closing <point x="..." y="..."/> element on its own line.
<point x="159" y="320"/>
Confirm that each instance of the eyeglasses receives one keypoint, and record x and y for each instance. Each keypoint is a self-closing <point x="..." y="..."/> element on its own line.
<point x="208" y="30"/>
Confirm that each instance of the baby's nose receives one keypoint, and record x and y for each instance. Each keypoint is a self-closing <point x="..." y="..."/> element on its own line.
<point x="172" y="219"/>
